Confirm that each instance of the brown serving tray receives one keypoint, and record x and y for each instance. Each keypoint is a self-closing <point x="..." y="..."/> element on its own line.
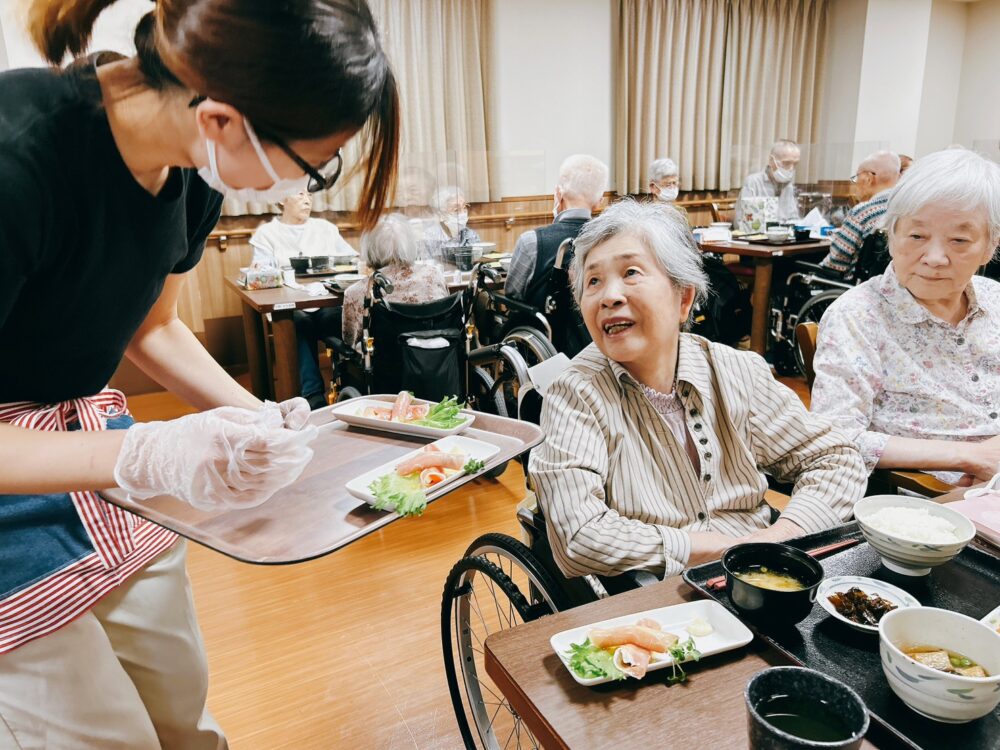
<point x="316" y="515"/>
<point x="969" y="584"/>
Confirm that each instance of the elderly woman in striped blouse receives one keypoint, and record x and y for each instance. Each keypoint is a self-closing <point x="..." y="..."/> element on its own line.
<point x="658" y="441"/>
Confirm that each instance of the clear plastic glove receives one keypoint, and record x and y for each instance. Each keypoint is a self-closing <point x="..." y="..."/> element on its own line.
<point x="295" y="412"/>
<point x="220" y="459"/>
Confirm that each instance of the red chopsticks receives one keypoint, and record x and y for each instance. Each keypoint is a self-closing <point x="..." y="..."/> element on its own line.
<point x="719" y="582"/>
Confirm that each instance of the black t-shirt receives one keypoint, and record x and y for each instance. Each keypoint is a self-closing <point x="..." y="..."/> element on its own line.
<point x="84" y="249"/>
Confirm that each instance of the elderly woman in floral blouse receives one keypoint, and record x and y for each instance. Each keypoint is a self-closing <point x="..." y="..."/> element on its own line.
<point x="392" y="248"/>
<point x="909" y="362"/>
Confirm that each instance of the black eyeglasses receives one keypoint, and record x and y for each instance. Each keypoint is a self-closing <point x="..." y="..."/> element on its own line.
<point x="323" y="177"/>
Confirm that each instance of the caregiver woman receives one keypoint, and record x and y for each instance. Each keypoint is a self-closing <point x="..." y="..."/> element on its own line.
<point x="106" y="197"/>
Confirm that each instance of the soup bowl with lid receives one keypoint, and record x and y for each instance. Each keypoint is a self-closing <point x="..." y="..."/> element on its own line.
<point x="768" y="606"/>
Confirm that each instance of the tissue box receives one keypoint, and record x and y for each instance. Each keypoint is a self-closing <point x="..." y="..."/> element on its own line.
<point x="260" y="278"/>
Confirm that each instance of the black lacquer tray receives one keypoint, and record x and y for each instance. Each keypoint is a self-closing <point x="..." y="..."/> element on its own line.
<point x="969" y="584"/>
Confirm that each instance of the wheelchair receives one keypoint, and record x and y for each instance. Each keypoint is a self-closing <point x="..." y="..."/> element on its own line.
<point x="432" y="349"/>
<point x="501" y="582"/>
<point x="558" y="318"/>
<point x="808" y="291"/>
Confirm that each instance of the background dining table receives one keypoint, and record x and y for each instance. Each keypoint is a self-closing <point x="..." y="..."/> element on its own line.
<point x="274" y="367"/>
<point x="763" y="266"/>
<point x="708" y="711"/>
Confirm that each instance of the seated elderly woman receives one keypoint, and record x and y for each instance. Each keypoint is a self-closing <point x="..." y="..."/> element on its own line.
<point x="391" y="247"/>
<point x="657" y="440"/>
<point x="908" y="363"/>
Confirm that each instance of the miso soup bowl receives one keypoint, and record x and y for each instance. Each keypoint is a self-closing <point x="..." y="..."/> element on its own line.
<point x="908" y="556"/>
<point x="767" y="606"/>
<point x="949" y="698"/>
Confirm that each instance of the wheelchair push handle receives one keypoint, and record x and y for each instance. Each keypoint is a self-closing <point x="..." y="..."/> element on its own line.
<point x="381" y="285"/>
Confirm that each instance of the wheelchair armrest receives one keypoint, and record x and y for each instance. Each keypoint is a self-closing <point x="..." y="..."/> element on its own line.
<point x="815" y="268"/>
<point x="640" y="577"/>
<point x="338" y="346"/>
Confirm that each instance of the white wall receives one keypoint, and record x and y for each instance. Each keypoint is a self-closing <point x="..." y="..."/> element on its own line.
<point x="113" y="31"/>
<point x="977" y="113"/>
<point x="942" y="77"/>
<point x="552" y="73"/>
<point x="841" y="81"/>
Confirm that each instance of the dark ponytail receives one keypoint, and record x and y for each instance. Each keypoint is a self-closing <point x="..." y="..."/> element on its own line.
<point x="297" y="70"/>
<point x="60" y="26"/>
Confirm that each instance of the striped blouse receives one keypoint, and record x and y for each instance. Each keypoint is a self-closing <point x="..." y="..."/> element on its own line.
<point x="619" y="492"/>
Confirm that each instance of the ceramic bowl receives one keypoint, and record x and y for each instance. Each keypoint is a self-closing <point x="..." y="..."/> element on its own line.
<point x="344" y="280"/>
<point x="908" y="556"/>
<point x="930" y="692"/>
<point x="766" y="606"/>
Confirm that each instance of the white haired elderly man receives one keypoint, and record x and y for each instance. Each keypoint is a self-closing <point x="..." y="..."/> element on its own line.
<point x="664" y="183"/>
<point x="777" y="180"/>
<point x="657" y="441"/>
<point x="579" y="190"/>
<point x="908" y="363"/>
<point x="877" y="175"/>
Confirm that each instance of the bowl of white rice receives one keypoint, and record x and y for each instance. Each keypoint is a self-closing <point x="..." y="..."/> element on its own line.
<point x="912" y="534"/>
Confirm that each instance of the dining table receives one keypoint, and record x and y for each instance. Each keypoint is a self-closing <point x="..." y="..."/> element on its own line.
<point x="763" y="256"/>
<point x="706" y="711"/>
<point x="269" y="328"/>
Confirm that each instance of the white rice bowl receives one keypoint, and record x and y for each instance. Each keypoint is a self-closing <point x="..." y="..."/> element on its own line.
<point x="912" y="543"/>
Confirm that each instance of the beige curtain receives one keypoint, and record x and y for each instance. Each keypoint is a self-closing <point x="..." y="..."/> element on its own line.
<point x="712" y="83"/>
<point x="439" y="56"/>
<point x="775" y="53"/>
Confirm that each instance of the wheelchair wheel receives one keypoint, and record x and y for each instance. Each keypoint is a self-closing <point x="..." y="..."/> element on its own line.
<point x="531" y="344"/>
<point x="480" y="599"/>
<point x="811" y="312"/>
<point x="348" y="392"/>
<point x="485" y="394"/>
<point x="522" y="566"/>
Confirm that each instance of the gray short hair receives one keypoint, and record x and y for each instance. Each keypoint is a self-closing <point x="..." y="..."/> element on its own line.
<point x="392" y="240"/>
<point x="583" y="177"/>
<point x="663" y="232"/>
<point x="953" y="177"/>
<point x="784" y="145"/>
<point x="662" y="168"/>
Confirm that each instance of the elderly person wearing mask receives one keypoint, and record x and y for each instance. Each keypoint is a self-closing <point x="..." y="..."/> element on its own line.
<point x="449" y="225"/>
<point x="776" y="180"/>
<point x="294" y="233"/>
<point x="664" y="183"/>
<point x="657" y="440"/>
<point x="877" y="175"/>
<point x="391" y="247"/>
<point x="908" y="363"/>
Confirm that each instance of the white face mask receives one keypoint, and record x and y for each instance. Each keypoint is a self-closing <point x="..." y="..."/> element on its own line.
<point x="667" y="195"/>
<point x="781" y="175"/>
<point x="279" y="190"/>
<point x="456" y="222"/>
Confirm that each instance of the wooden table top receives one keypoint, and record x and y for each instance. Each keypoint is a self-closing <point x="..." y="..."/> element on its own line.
<point x="744" y="248"/>
<point x="708" y="711"/>
<point x="282" y="297"/>
<point x="316" y="515"/>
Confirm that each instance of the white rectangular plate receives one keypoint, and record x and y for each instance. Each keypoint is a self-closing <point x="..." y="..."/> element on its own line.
<point x="728" y="633"/>
<point x="993" y="619"/>
<point x="350" y="412"/>
<point x="476" y="449"/>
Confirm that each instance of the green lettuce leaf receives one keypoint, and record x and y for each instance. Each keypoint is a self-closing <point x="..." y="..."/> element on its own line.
<point x="588" y="661"/>
<point x="444" y="415"/>
<point x="403" y="495"/>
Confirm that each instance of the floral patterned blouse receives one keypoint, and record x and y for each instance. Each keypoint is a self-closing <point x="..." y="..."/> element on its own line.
<point x="885" y="366"/>
<point x="411" y="284"/>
